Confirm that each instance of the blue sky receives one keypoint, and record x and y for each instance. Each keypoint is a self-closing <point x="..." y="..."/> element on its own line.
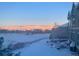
<point x="33" y="13"/>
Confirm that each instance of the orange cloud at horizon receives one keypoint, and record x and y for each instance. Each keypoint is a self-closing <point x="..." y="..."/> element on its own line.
<point x="28" y="27"/>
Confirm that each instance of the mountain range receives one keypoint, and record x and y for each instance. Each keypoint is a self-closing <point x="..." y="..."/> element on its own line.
<point x="27" y="27"/>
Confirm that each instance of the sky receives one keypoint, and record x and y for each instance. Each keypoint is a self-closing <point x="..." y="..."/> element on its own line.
<point x="33" y="13"/>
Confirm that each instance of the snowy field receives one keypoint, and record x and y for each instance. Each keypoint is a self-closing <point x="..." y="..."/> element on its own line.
<point x="39" y="48"/>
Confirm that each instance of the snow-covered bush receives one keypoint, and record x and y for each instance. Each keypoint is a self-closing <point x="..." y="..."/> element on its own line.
<point x="6" y="51"/>
<point x="60" y="32"/>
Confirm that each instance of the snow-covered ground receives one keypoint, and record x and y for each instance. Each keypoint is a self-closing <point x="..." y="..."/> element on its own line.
<point x="39" y="48"/>
<point x="13" y="37"/>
